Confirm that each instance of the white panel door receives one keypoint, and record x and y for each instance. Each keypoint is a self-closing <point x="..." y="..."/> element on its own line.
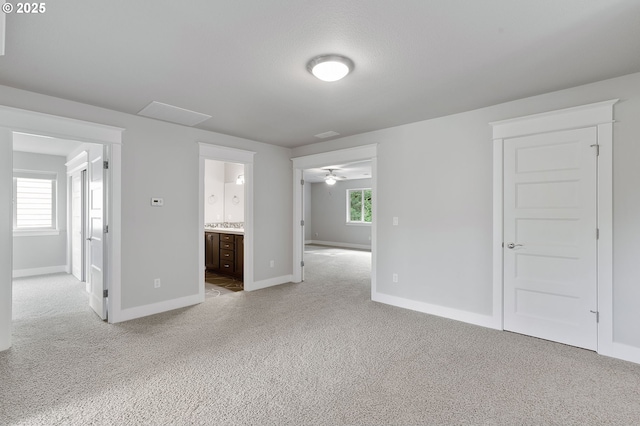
<point x="550" y="281"/>
<point x="97" y="301"/>
<point x="77" y="237"/>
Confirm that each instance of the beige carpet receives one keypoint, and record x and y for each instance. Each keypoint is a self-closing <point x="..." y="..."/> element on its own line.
<point x="316" y="353"/>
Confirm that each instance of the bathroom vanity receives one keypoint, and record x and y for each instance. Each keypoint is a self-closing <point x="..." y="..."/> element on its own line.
<point x="224" y="252"/>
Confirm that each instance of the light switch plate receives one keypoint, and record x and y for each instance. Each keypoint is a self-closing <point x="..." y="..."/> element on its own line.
<point x="157" y="202"/>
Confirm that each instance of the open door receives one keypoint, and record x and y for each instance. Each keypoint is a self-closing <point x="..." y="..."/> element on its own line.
<point x="96" y="231"/>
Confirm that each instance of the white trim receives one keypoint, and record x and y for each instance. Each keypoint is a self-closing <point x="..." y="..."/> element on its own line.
<point x="599" y="115"/>
<point x="270" y="282"/>
<point x="360" y="153"/>
<point x="24" y="121"/>
<point x="232" y="155"/>
<point x="624" y="352"/>
<point x="335" y="244"/>
<point x="157" y="308"/>
<point x="590" y="115"/>
<point x="30" y="272"/>
<point x="441" y="311"/>
<point x="605" y="241"/>
<point x="77" y="163"/>
<point x="35" y="232"/>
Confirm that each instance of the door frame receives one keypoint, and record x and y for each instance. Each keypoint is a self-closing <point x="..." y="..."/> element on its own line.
<point x="600" y="116"/>
<point x="349" y="155"/>
<point x="209" y="151"/>
<point x="20" y="120"/>
<point x="77" y="165"/>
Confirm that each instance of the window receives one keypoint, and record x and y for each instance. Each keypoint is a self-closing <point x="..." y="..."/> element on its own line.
<point x="359" y="205"/>
<point x="34" y="207"/>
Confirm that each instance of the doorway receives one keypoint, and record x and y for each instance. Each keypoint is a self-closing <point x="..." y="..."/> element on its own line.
<point x="14" y="120"/>
<point x="59" y="211"/>
<point x="337" y="211"/>
<point x="227" y="238"/>
<point x="224" y="212"/>
<point x="350" y="156"/>
<point x="552" y="234"/>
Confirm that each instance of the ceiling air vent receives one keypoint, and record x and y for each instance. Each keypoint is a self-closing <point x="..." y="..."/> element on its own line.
<point x="173" y="114"/>
<point x="327" y="134"/>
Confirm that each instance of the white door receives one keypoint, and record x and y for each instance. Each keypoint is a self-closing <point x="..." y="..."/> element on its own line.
<point x="77" y="237"/>
<point x="97" y="301"/>
<point x="550" y="237"/>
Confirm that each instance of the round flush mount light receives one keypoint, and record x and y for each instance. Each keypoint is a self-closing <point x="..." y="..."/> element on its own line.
<point x="330" y="67"/>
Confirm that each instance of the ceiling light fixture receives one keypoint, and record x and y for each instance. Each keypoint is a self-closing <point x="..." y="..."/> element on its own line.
<point x="330" y="178"/>
<point x="330" y="67"/>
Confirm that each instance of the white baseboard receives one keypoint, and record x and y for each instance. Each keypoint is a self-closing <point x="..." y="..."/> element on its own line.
<point x="257" y="285"/>
<point x="19" y="273"/>
<point x="623" y="352"/>
<point x="441" y="311"/>
<point x="156" y="308"/>
<point x="336" y="244"/>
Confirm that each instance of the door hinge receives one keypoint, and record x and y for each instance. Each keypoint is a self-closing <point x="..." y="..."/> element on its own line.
<point x="106" y="229"/>
<point x="302" y="182"/>
<point x="105" y="293"/>
<point x="302" y="223"/>
<point x="597" y="149"/>
<point x="302" y="263"/>
<point x="105" y="165"/>
<point x="597" y="233"/>
<point x="597" y="315"/>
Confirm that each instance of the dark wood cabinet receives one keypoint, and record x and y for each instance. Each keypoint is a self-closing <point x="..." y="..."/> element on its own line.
<point x="212" y="250"/>
<point x="224" y="254"/>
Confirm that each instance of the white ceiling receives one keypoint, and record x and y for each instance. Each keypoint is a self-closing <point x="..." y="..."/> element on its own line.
<point x="43" y="145"/>
<point x="244" y="62"/>
<point x="360" y="170"/>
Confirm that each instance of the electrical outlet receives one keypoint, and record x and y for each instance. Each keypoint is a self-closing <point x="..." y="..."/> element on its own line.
<point x="395" y="278"/>
<point x="271" y="263"/>
<point x="157" y="202"/>
<point x="156" y="283"/>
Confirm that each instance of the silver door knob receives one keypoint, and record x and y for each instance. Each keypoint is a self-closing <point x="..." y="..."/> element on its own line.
<point x="89" y="239"/>
<point x="512" y="245"/>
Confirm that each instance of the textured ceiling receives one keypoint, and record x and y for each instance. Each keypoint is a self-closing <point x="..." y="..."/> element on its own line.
<point x="243" y="62"/>
<point x="359" y="170"/>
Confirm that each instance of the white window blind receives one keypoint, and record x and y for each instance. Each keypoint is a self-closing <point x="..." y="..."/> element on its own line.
<point x="34" y="200"/>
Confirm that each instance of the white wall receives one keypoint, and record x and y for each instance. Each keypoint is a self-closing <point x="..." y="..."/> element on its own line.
<point x="442" y="247"/>
<point x="213" y="191"/>
<point x="162" y="160"/>
<point x="34" y="252"/>
<point x="329" y="211"/>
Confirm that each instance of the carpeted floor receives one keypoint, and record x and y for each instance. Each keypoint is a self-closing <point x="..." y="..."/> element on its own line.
<point x="315" y="353"/>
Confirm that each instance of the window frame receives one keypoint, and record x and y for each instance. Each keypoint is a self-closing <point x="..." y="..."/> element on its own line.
<point x="36" y="231"/>
<point x="348" y="207"/>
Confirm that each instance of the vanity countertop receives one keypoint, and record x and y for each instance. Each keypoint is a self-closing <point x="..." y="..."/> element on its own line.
<point x="235" y="231"/>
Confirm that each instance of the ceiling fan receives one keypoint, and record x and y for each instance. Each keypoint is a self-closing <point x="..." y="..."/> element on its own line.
<point x="331" y="177"/>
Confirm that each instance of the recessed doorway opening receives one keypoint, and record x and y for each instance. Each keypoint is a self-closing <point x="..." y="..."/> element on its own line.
<point x="224" y="212"/>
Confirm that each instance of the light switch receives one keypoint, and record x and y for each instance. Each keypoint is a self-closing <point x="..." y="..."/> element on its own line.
<point x="395" y="221"/>
<point x="157" y="202"/>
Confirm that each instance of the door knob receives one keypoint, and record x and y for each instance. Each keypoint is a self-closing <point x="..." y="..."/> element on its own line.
<point x="89" y="239"/>
<point x="512" y="245"/>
